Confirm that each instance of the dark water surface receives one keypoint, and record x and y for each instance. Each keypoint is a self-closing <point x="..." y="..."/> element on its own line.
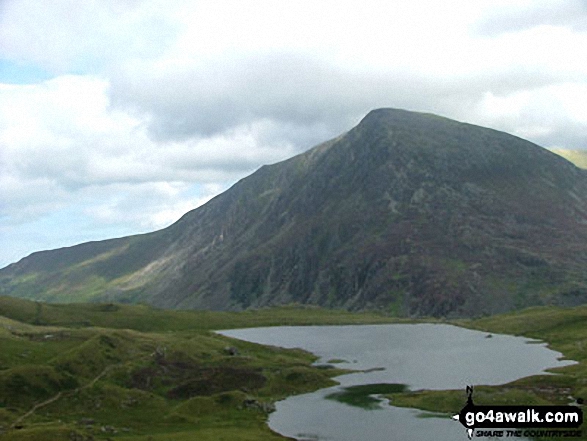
<point x="421" y="356"/>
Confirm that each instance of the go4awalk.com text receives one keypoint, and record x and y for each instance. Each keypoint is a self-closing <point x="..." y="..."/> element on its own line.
<point x="562" y="421"/>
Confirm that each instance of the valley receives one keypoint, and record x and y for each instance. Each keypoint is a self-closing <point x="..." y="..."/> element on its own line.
<point x="407" y="217"/>
<point x="136" y="373"/>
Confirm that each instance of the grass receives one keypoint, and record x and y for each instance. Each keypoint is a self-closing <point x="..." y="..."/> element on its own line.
<point x="564" y="329"/>
<point x="149" y="319"/>
<point x="365" y="395"/>
<point x="136" y="373"/>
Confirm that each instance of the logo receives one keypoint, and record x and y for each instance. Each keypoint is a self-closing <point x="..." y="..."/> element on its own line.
<point x="518" y="418"/>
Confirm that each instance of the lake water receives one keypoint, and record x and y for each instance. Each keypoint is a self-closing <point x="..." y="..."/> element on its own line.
<point x="421" y="356"/>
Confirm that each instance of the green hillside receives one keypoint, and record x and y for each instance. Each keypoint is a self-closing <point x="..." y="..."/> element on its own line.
<point x="134" y="373"/>
<point x="407" y="213"/>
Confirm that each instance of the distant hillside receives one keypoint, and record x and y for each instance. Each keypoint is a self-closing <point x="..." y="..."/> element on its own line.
<point x="409" y="213"/>
<point x="577" y="157"/>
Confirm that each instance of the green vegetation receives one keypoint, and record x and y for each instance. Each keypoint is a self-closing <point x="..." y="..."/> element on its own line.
<point x="365" y="395"/>
<point x="408" y="213"/>
<point x="564" y="329"/>
<point x="149" y="319"/>
<point x="136" y="373"/>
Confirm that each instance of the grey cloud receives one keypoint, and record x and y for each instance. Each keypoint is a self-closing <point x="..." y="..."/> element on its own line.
<point x="208" y="100"/>
<point x="298" y="94"/>
<point x="303" y="99"/>
<point x="567" y="135"/>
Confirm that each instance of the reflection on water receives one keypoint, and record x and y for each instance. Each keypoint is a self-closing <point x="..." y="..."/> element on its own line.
<point x="366" y="396"/>
<point x="421" y="356"/>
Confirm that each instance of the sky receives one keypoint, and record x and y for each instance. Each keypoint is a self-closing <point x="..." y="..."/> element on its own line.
<point x="119" y="116"/>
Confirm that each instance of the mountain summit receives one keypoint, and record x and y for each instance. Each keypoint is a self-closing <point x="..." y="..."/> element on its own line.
<point x="409" y="213"/>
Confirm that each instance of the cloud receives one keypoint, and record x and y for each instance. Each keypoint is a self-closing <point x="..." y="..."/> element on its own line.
<point x="72" y="145"/>
<point x="551" y="116"/>
<point x="148" y="205"/>
<point x="69" y="36"/>
<point x="142" y="109"/>
<point x="228" y="71"/>
<point x="202" y="99"/>
<point x="291" y="96"/>
<point x="511" y="17"/>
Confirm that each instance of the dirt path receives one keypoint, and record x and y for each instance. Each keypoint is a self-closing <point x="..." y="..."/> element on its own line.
<point x="38" y="406"/>
<point x="34" y="409"/>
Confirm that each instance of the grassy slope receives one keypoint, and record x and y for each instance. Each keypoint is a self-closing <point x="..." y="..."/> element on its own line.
<point x="147" y="319"/>
<point x="140" y="374"/>
<point x="162" y="375"/>
<point x="353" y="219"/>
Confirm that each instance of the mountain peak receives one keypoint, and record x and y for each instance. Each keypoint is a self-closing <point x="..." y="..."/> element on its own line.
<point x="392" y="116"/>
<point x="410" y="213"/>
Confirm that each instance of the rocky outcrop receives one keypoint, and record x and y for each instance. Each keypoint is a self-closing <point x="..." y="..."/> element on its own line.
<point x="408" y="213"/>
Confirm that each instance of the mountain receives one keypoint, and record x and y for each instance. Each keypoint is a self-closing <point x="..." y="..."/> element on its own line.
<point x="409" y="213"/>
<point x="577" y="157"/>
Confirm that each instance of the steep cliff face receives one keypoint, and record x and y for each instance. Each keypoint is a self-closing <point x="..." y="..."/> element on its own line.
<point x="411" y="213"/>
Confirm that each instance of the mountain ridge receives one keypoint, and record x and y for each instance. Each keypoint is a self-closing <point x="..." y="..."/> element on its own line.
<point x="577" y="157"/>
<point x="411" y="213"/>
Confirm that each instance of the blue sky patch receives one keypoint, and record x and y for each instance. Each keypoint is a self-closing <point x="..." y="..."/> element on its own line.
<point x="12" y="72"/>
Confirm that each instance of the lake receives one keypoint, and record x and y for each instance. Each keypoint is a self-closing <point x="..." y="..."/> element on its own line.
<point x="421" y="356"/>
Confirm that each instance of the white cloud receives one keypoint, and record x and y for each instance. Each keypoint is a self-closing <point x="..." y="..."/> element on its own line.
<point x="147" y="206"/>
<point x="155" y="106"/>
<point x="505" y="16"/>
<point x="68" y="35"/>
<point x="552" y="116"/>
<point x="71" y="149"/>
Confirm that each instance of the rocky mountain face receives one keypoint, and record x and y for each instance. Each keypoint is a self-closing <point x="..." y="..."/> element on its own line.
<point x="409" y="213"/>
